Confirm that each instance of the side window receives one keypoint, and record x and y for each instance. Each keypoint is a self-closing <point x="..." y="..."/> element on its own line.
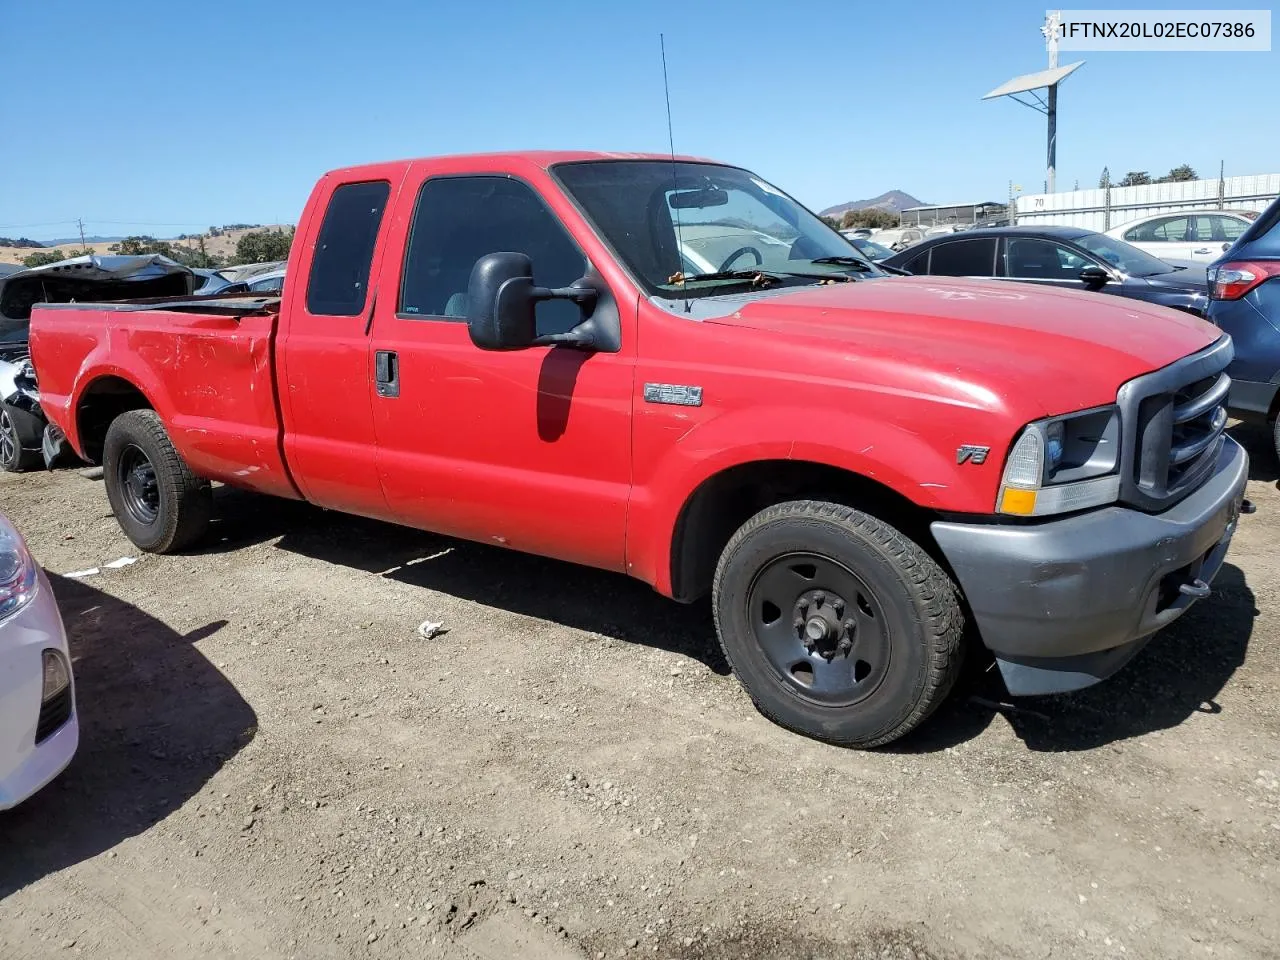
<point x="964" y="258"/>
<point x="1226" y="228"/>
<point x="1164" y="230"/>
<point x="339" y="280"/>
<point x="270" y="284"/>
<point x="458" y="220"/>
<point x="1173" y="230"/>
<point x="919" y="264"/>
<point x="1030" y="259"/>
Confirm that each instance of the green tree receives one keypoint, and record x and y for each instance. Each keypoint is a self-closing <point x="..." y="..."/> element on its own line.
<point x="142" y="246"/>
<point x="201" y="257"/>
<point x="831" y="222"/>
<point x="1179" y="174"/>
<point x="146" y="246"/>
<point x="1135" y="178"/>
<point x="1104" y="181"/>
<point x="41" y="257"/>
<point x="264" y="245"/>
<point x="871" y="217"/>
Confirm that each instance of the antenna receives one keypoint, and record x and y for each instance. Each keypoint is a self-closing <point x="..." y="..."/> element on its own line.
<point x="671" y="143"/>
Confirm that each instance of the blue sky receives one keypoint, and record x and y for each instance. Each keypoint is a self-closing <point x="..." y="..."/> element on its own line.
<point x="183" y="115"/>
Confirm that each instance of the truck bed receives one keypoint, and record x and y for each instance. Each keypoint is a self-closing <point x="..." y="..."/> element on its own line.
<point x="208" y="361"/>
<point x="222" y="306"/>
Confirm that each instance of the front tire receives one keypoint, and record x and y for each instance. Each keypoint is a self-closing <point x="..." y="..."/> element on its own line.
<point x="159" y="503"/>
<point x="838" y="625"/>
<point x="20" y="434"/>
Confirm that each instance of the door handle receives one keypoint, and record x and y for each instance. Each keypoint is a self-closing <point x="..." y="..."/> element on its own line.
<point x="1202" y="250"/>
<point x="386" y="365"/>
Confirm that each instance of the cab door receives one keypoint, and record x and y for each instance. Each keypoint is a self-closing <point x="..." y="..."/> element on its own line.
<point x="529" y="449"/>
<point x="323" y="346"/>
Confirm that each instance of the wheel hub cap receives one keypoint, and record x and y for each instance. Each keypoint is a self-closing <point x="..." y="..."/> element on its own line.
<point x="832" y="644"/>
<point x="140" y="492"/>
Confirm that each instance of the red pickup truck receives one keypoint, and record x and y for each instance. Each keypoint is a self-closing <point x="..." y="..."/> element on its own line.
<point x="670" y="369"/>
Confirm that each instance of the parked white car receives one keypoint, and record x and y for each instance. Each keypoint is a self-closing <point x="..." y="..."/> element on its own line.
<point x="39" y="730"/>
<point x="1198" y="235"/>
<point x="898" y="238"/>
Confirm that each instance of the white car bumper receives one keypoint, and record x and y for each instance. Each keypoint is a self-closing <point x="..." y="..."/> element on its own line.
<point x="25" y="765"/>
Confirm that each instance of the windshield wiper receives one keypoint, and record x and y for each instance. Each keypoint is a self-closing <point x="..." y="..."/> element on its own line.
<point x="855" y="262"/>
<point x="865" y="266"/>
<point x="760" y="277"/>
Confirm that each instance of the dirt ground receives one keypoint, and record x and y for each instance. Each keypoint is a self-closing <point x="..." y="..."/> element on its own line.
<point x="276" y="764"/>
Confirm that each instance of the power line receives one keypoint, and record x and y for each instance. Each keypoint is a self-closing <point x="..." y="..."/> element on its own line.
<point x="148" y="223"/>
<point x="23" y="226"/>
<point x="95" y="220"/>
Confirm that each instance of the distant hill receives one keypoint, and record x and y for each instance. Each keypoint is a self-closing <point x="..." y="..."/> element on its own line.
<point x="894" y="200"/>
<point x="76" y="239"/>
<point x="220" y="242"/>
<point x="21" y="242"/>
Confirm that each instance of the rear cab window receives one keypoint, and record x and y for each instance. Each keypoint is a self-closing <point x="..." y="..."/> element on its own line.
<point x="339" y="279"/>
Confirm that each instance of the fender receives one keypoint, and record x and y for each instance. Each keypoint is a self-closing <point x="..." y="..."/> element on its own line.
<point x="879" y="449"/>
<point x="97" y="365"/>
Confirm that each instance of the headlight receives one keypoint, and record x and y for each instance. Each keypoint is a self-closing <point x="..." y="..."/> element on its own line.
<point x="17" y="571"/>
<point x="1063" y="464"/>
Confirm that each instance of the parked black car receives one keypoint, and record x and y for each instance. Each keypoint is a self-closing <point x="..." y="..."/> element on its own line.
<point x="1066" y="257"/>
<point x="1244" y="292"/>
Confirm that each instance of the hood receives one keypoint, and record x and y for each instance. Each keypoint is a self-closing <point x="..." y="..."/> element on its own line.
<point x="1007" y="342"/>
<point x="92" y="278"/>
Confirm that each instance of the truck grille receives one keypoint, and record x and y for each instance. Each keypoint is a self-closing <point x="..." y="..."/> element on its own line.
<point x="1173" y="421"/>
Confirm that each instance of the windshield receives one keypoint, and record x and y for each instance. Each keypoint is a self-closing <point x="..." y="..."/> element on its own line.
<point x="671" y="220"/>
<point x="1127" y="257"/>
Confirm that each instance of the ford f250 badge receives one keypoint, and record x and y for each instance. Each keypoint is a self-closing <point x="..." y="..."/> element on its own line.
<point x="679" y="394"/>
<point x="972" y="454"/>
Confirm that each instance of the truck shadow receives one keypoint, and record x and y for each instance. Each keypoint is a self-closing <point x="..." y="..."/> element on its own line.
<point x="1179" y="673"/>
<point x="157" y="721"/>
<point x="596" y="601"/>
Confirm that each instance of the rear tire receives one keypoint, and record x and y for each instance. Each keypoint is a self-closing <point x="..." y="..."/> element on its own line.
<point x="20" y="437"/>
<point x="159" y="503"/>
<point x="838" y="626"/>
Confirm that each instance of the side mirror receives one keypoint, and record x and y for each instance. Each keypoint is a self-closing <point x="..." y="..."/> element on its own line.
<point x="501" y="302"/>
<point x="1094" y="276"/>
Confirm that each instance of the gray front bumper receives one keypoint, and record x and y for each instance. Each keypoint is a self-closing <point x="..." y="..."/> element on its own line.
<point x="1066" y="603"/>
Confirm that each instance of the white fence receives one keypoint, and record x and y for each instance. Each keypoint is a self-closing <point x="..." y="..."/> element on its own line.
<point x="1108" y="207"/>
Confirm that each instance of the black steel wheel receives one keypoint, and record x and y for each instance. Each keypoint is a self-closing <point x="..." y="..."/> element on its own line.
<point x="821" y="628"/>
<point x="837" y="624"/>
<point x="159" y="503"/>
<point x="139" y="491"/>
